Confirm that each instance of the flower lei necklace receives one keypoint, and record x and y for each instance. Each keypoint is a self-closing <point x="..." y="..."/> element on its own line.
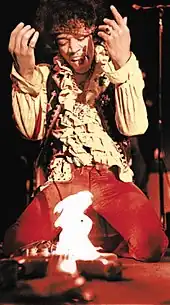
<point x="94" y="86"/>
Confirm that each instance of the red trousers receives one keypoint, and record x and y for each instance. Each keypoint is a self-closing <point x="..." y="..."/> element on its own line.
<point x="124" y="220"/>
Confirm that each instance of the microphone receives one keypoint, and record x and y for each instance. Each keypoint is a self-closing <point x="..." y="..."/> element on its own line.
<point x="139" y="7"/>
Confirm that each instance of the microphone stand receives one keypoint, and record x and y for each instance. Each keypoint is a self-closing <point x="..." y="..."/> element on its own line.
<point x="160" y="130"/>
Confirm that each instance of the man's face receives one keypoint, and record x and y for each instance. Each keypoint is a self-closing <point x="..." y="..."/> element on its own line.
<point x="77" y="50"/>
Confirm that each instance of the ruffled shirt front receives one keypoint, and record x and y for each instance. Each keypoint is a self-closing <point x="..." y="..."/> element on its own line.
<point x="85" y="142"/>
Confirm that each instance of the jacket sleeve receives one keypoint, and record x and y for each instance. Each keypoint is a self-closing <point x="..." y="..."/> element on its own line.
<point x="29" y="102"/>
<point x="131" y="113"/>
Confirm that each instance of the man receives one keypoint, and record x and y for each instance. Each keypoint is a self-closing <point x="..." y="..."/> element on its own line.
<point x="83" y="107"/>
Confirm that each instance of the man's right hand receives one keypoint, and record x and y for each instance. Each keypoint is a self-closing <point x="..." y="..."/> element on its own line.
<point x="22" y="42"/>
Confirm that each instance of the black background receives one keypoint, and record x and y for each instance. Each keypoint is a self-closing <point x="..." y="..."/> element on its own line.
<point x="17" y="153"/>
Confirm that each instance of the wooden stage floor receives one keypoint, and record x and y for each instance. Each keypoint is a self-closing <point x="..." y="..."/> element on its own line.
<point x="142" y="283"/>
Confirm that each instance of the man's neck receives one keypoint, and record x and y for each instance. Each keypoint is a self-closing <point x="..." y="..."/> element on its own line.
<point x="81" y="78"/>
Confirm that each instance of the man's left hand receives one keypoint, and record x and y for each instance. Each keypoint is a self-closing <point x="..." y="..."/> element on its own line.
<point x="116" y="36"/>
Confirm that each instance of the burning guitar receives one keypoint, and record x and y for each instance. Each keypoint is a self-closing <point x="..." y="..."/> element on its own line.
<point x="74" y="246"/>
<point x="76" y="226"/>
<point x="63" y="272"/>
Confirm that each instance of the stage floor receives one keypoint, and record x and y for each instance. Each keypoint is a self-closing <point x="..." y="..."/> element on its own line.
<point x="142" y="283"/>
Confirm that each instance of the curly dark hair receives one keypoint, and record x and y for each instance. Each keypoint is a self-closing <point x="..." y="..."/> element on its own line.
<point x="53" y="13"/>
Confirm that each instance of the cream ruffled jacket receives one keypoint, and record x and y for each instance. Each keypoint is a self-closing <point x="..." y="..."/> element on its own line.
<point x="81" y="125"/>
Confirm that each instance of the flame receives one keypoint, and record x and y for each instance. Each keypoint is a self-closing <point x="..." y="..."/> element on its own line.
<point x="67" y="265"/>
<point x="74" y="243"/>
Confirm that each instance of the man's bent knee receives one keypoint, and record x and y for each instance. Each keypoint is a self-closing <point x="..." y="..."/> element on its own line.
<point x="149" y="248"/>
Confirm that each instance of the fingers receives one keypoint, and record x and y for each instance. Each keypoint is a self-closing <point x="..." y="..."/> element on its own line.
<point x="125" y="20"/>
<point x="113" y="27"/>
<point x="25" y="36"/>
<point x="119" y="21"/>
<point x="13" y="35"/>
<point x="33" y="40"/>
<point x="110" y="24"/>
<point x="117" y="15"/>
<point x="22" y="38"/>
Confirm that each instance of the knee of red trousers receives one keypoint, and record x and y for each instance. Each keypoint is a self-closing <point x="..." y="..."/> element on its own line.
<point x="150" y="247"/>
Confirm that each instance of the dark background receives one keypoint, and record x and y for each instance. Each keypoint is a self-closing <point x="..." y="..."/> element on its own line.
<point x="17" y="153"/>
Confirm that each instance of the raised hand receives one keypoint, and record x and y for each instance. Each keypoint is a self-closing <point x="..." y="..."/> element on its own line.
<point x="22" y="42"/>
<point x="116" y="36"/>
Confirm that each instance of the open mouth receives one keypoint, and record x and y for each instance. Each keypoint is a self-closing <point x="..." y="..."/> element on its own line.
<point x="80" y="59"/>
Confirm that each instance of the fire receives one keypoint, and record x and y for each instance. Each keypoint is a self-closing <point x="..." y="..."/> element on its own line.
<point x="74" y="243"/>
